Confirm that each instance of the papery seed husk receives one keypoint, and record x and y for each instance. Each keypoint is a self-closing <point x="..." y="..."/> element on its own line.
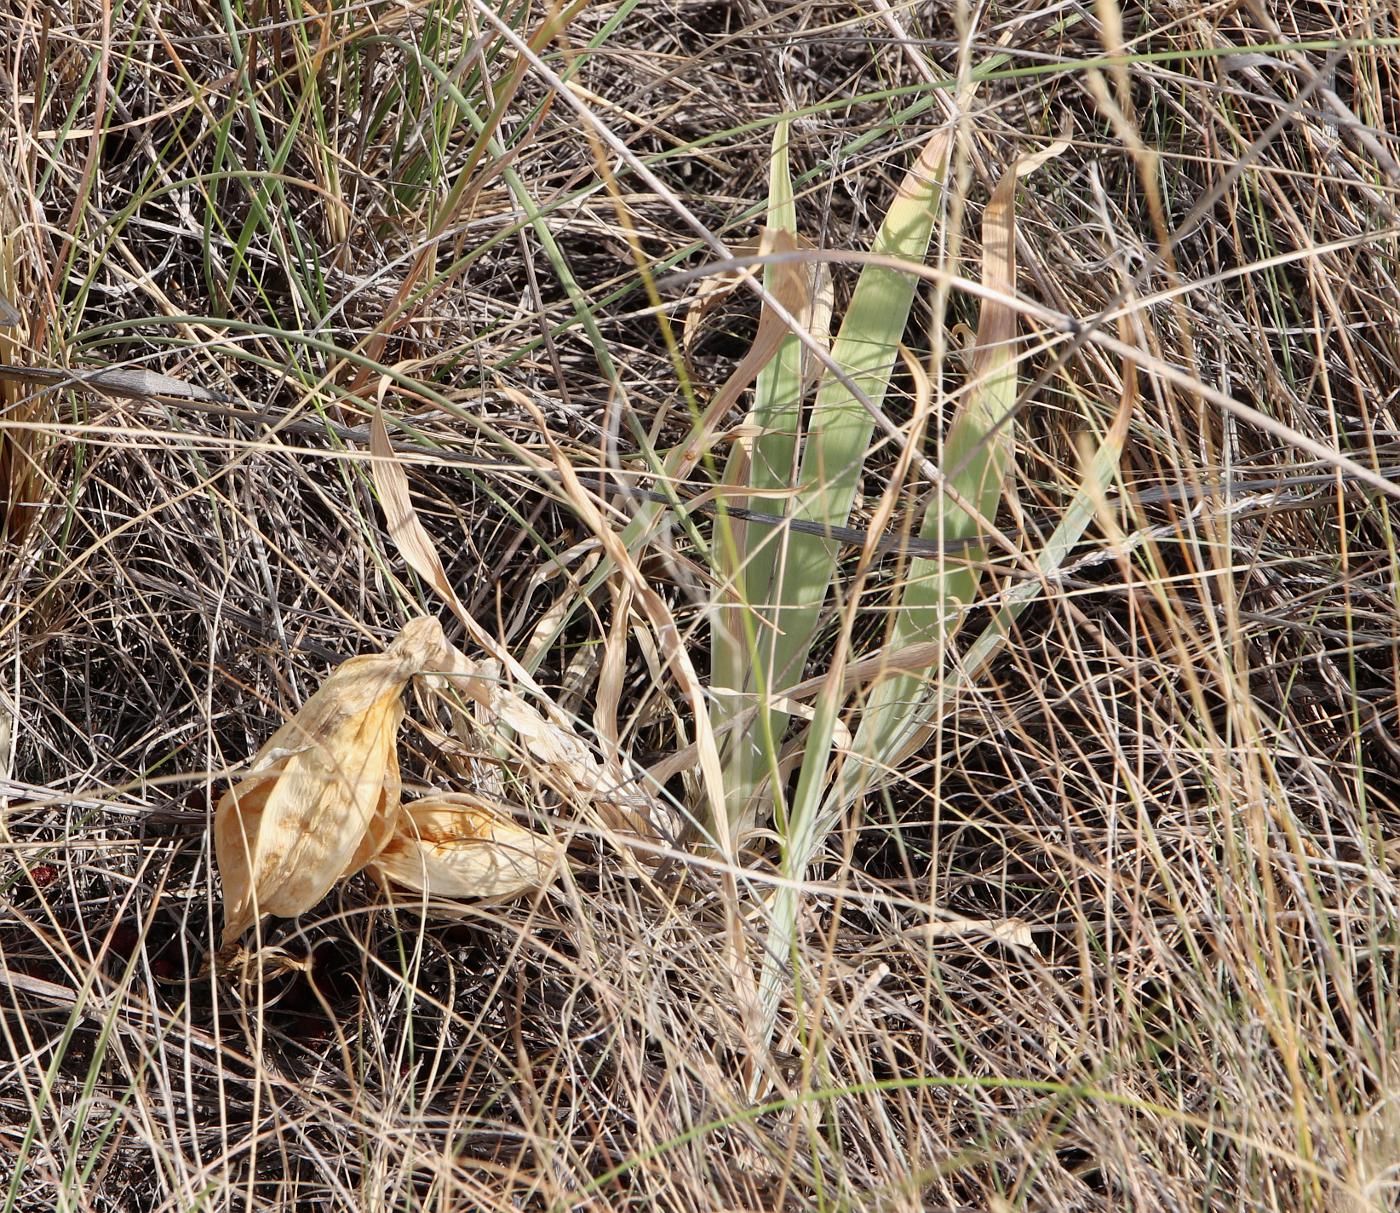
<point x="323" y="793"/>
<point x="454" y="846"/>
<point x="384" y="821"/>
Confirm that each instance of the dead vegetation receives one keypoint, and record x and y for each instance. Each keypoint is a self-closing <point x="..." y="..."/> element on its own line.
<point x="1120" y="934"/>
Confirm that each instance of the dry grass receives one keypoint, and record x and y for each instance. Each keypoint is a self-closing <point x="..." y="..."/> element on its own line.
<point x="1180" y="775"/>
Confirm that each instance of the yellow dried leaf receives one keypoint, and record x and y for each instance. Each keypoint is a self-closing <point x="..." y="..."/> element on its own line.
<point x="550" y="750"/>
<point x="546" y="741"/>
<point x="322" y="796"/>
<point x="561" y="759"/>
<point x="1013" y="931"/>
<point x="457" y="846"/>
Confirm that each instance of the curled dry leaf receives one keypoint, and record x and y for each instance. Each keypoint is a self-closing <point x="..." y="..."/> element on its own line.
<point x="131" y="382"/>
<point x="322" y="798"/>
<point x="458" y="846"/>
<point x="560" y="758"/>
<point x="553" y="752"/>
<point x="1013" y="931"/>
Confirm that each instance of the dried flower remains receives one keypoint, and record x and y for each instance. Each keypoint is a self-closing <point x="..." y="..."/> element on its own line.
<point x="322" y="800"/>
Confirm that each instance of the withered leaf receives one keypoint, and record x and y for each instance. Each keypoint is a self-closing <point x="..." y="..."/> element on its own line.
<point x="131" y="382"/>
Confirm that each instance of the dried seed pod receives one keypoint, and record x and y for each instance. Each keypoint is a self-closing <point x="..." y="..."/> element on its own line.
<point x="322" y="796"/>
<point x="458" y="846"/>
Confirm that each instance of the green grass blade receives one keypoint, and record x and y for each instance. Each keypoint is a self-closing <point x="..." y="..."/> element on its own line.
<point x="751" y="568"/>
<point x="833" y="451"/>
<point x="978" y="457"/>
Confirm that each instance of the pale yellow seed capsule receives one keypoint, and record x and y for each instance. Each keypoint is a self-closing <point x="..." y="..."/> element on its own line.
<point x="322" y="797"/>
<point x="458" y="846"/>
